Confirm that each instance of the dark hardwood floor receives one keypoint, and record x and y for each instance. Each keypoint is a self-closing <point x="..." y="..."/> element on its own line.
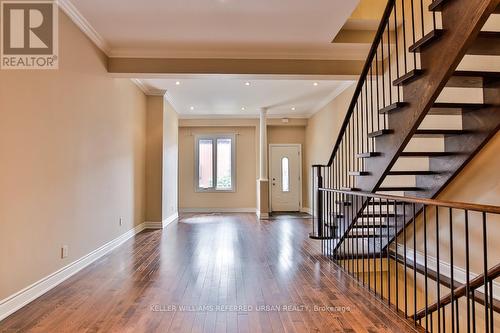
<point x="232" y="261"/>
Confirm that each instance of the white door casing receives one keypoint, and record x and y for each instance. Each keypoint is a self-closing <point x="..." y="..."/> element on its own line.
<point x="285" y="164"/>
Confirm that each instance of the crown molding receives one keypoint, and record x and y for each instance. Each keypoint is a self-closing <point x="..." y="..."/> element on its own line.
<point x="69" y="9"/>
<point x="148" y="90"/>
<point x="343" y="86"/>
<point x="141" y="85"/>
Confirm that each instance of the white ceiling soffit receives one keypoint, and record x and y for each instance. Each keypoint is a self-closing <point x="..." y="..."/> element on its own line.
<point x="215" y="28"/>
<point x="234" y="97"/>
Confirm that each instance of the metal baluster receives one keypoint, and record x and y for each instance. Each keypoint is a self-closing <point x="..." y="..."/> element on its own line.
<point x="388" y="254"/>
<point x="378" y="93"/>
<point x="414" y="265"/>
<point x="380" y="251"/>
<point x="467" y="268"/>
<point x="374" y="258"/>
<point x="422" y="17"/>
<point x="485" y="265"/>
<point x="397" y="258"/>
<point x="492" y="327"/>
<point x="389" y="69"/>
<point x="414" y="33"/>
<point x="404" y="258"/>
<point x="452" y="272"/>
<point x="438" y="284"/>
<point x="403" y="17"/>
<point x="425" y="270"/>
<point x="383" y="76"/>
<point x="397" y="43"/>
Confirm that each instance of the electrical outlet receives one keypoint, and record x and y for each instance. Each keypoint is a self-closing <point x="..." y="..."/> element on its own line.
<point x="64" y="251"/>
<point x="121" y="221"/>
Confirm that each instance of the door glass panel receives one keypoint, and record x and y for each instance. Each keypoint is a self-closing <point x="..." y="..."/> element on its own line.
<point x="224" y="158"/>
<point x="205" y="167"/>
<point x="285" y="175"/>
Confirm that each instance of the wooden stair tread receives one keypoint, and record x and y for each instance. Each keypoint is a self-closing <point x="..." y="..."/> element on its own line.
<point x="411" y="172"/>
<point x="486" y="43"/>
<point x="377" y="214"/>
<point x="408" y="77"/>
<point x="471" y="79"/>
<point x="398" y="188"/>
<point x="368" y="154"/>
<point x="393" y="107"/>
<point x="425" y="153"/>
<point x="353" y="189"/>
<point x="380" y="133"/>
<point x="359" y="173"/>
<point x="438" y="132"/>
<point x="426" y="41"/>
<point x="364" y="236"/>
<point x="437" y="5"/>
<point x="460" y="105"/>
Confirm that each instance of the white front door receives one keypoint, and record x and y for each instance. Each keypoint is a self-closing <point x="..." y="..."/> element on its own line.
<point x="285" y="167"/>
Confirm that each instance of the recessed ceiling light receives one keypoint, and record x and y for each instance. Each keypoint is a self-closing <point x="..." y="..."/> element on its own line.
<point x="191" y="108"/>
<point x="315" y="84"/>
<point x="242" y="108"/>
<point x="247" y="83"/>
<point x="177" y="83"/>
<point x="293" y="108"/>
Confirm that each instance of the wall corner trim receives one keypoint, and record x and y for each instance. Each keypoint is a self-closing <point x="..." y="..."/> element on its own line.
<point x="18" y="300"/>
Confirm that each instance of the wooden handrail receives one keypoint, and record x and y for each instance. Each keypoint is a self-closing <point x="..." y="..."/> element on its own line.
<point x="429" y="202"/>
<point x="475" y="283"/>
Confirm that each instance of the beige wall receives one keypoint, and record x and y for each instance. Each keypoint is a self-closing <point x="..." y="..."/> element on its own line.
<point x="72" y="143"/>
<point x="321" y="133"/>
<point x="154" y="158"/>
<point x="170" y="161"/>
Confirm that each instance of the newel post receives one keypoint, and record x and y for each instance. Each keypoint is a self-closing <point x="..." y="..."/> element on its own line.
<point x="319" y="204"/>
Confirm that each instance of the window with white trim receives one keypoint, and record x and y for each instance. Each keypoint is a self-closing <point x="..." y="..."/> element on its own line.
<point x="215" y="163"/>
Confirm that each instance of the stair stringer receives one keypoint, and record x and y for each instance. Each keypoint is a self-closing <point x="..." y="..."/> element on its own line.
<point x="462" y="22"/>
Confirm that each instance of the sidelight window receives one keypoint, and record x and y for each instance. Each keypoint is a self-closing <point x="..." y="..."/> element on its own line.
<point x="285" y="175"/>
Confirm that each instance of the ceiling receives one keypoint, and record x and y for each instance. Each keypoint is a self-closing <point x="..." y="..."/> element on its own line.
<point x="221" y="28"/>
<point x="236" y="97"/>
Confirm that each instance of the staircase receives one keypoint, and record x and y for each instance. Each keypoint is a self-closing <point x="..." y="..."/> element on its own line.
<point x="408" y="130"/>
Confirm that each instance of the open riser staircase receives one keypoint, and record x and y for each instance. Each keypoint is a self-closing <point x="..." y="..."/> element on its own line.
<point x="422" y="109"/>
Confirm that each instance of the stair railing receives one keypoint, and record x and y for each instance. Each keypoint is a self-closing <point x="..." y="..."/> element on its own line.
<point x="432" y="257"/>
<point x="377" y="92"/>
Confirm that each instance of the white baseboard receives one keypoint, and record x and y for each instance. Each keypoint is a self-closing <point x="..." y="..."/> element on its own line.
<point x="16" y="301"/>
<point x="217" y="210"/>
<point x="459" y="274"/>
<point x="262" y="216"/>
<point x="306" y="210"/>
<point x="172" y="218"/>
<point x="153" y="225"/>
<point x="161" y="224"/>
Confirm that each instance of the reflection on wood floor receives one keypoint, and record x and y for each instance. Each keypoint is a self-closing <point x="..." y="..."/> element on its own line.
<point x="211" y="273"/>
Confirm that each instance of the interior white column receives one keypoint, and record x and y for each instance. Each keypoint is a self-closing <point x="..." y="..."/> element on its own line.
<point x="263" y="144"/>
<point x="263" y="182"/>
